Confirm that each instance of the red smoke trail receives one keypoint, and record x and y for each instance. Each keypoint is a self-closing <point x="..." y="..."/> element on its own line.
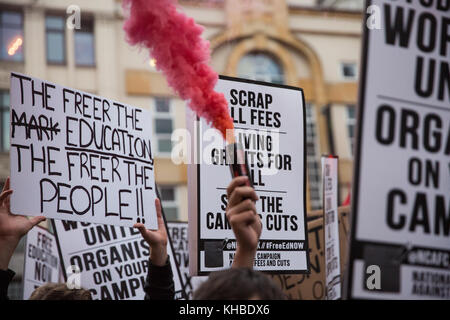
<point x="174" y="40"/>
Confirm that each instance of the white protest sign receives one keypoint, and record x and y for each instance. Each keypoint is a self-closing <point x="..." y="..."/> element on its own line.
<point x="77" y="156"/>
<point x="270" y="124"/>
<point x="331" y="227"/>
<point x="41" y="260"/>
<point x="111" y="261"/>
<point x="400" y="242"/>
<point x="178" y="233"/>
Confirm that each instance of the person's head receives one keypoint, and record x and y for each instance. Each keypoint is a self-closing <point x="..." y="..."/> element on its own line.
<point x="238" y="284"/>
<point x="59" y="291"/>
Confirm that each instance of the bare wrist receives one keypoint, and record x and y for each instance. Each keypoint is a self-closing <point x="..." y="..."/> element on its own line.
<point x="6" y="252"/>
<point x="158" y="255"/>
<point x="244" y="257"/>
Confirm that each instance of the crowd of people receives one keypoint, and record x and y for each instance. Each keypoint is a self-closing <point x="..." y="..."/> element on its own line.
<point x="238" y="282"/>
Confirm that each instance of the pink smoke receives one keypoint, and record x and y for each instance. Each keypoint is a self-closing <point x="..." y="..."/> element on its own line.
<point x="174" y="40"/>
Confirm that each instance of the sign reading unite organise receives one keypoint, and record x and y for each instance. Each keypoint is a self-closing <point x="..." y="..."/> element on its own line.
<point x="111" y="261"/>
<point x="77" y="156"/>
<point x="270" y="124"/>
<point x="400" y="241"/>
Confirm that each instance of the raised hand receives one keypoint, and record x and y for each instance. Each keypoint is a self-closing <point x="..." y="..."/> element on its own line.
<point x="244" y="220"/>
<point x="156" y="239"/>
<point x="12" y="227"/>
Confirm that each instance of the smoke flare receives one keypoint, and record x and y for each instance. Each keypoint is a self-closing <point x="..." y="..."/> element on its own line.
<point x="174" y="40"/>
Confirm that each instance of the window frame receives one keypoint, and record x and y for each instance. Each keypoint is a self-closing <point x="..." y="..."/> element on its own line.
<point x="89" y="19"/>
<point x="7" y="8"/>
<point x="351" y="122"/>
<point x="342" y="67"/>
<point x="170" y="115"/>
<point x="63" y="32"/>
<point x="4" y="108"/>
<point x="279" y="78"/>
<point x="312" y="160"/>
<point x="170" y="203"/>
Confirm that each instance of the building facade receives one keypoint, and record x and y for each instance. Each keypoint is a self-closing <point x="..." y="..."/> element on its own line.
<point x="314" y="44"/>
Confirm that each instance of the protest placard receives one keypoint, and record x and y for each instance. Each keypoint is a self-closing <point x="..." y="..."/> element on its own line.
<point x="400" y="239"/>
<point x="313" y="286"/>
<point x="78" y="156"/>
<point x="270" y="124"/>
<point x="41" y="263"/>
<point x="111" y="261"/>
<point x="178" y="233"/>
<point x="331" y="227"/>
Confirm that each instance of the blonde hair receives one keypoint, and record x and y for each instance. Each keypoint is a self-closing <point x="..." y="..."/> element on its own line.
<point x="59" y="291"/>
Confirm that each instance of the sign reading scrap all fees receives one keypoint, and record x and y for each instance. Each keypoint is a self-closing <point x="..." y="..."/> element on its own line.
<point x="77" y="156"/>
<point x="401" y="203"/>
<point x="41" y="260"/>
<point x="111" y="261"/>
<point x="270" y="124"/>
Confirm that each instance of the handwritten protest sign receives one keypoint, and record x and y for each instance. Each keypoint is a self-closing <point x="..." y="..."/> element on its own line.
<point x="77" y="156"/>
<point x="401" y="199"/>
<point x="270" y="124"/>
<point x="41" y="260"/>
<point x="313" y="286"/>
<point x="111" y="261"/>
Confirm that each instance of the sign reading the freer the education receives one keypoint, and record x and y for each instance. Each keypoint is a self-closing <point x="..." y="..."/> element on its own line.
<point x="270" y="124"/>
<point x="400" y="244"/>
<point x="78" y="156"/>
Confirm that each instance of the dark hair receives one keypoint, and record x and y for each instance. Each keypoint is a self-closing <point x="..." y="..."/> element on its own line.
<point x="59" y="291"/>
<point x="238" y="284"/>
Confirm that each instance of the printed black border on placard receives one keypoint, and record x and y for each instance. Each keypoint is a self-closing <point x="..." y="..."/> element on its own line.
<point x="184" y="223"/>
<point x="63" y="267"/>
<point x="306" y="248"/>
<point x="183" y="286"/>
<point x="353" y="244"/>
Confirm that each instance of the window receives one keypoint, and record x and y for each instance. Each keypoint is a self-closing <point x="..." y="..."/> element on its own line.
<point x="351" y="126"/>
<point x="341" y="4"/>
<point x="4" y="121"/>
<point x="84" y="44"/>
<point x="169" y="202"/>
<point x="55" y="37"/>
<point x="348" y="71"/>
<point x="163" y="125"/>
<point x="312" y="160"/>
<point x="11" y="35"/>
<point x="260" y="66"/>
